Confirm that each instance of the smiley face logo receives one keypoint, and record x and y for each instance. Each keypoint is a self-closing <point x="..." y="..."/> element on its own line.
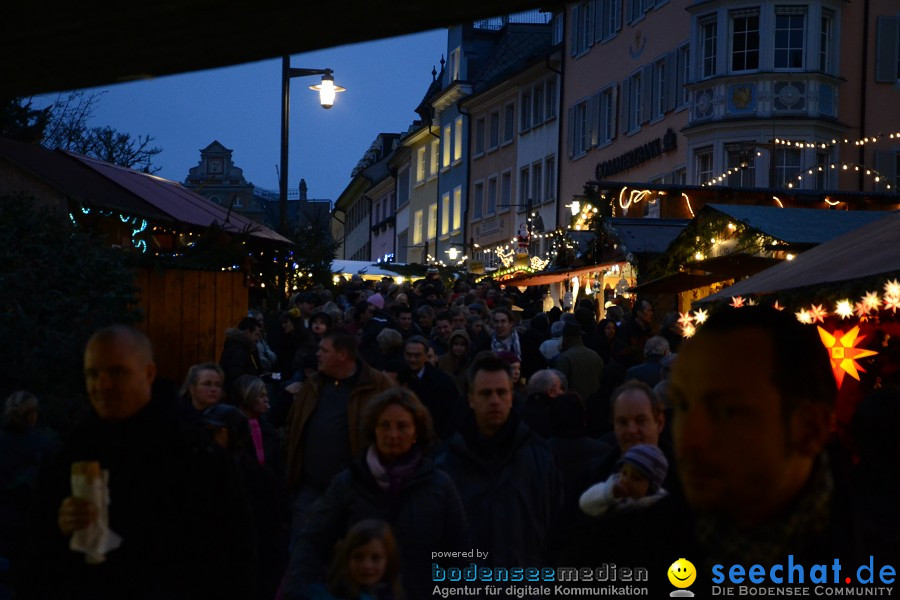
<point x="682" y="573"/>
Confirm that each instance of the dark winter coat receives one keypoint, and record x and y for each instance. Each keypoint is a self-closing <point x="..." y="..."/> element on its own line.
<point x="425" y="514"/>
<point x="177" y="502"/>
<point x="239" y="357"/>
<point x="511" y="490"/>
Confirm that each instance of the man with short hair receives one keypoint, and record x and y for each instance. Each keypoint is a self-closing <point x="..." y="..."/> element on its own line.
<point x="650" y="371"/>
<point x="239" y="355"/>
<point x="628" y="346"/>
<point x="506" y="476"/>
<point x="504" y="338"/>
<point x="324" y="423"/>
<point x="440" y="333"/>
<point x="403" y="315"/>
<point x="582" y="366"/>
<point x="175" y="499"/>
<point x="753" y="396"/>
<point x="436" y="389"/>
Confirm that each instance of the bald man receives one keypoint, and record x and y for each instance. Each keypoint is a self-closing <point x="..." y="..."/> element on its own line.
<point x="175" y="500"/>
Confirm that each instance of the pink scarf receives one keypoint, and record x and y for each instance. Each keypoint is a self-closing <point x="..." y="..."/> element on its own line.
<point x="256" y="434"/>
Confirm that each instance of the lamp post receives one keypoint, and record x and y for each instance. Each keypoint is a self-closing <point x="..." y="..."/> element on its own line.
<point x="327" y="91"/>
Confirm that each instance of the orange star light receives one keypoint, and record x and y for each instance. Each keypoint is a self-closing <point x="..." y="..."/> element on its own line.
<point x="844" y="353"/>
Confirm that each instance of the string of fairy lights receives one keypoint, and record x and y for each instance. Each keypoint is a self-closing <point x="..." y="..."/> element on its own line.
<point x="801" y="173"/>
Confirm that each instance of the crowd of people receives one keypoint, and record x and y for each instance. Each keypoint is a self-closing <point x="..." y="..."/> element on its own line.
<point x="336" y="445"/>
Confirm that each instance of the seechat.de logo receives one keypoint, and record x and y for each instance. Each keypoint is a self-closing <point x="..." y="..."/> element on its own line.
<point x="682" y="574"/>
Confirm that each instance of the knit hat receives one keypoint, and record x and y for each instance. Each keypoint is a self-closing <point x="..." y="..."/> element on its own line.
<point x="650" y="461"/>
<point x="557" y="328"/>
<point x="377" y="300"/>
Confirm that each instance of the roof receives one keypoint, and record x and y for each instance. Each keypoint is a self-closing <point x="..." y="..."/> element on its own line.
<point x="796" y="225"/>
<point x="95" y="183"/>
<point x="519" y="43"/>
<point x="870" y="250"/>
<point x="647" y="236"/>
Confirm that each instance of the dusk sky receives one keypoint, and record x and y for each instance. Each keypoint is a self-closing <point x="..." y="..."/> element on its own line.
<point x="240" y="106"/>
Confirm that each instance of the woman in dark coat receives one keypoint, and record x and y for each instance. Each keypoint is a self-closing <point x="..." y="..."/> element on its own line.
<point x="393" y="481"/>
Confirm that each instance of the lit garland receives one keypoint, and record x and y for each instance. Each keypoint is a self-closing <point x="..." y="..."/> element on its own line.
<point x="723" y="177"/>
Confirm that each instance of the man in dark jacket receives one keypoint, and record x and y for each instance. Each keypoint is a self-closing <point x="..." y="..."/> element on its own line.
<point x="436" y="389"/>
<point x="753" y="395"/>
<point x="240" y="356"/>
<point x="506" y="476"/>
<point x="175" y="503"/>
<point x="324" y="424"/>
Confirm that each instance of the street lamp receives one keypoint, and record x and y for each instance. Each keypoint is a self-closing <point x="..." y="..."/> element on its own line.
<point x="327" y="91"/>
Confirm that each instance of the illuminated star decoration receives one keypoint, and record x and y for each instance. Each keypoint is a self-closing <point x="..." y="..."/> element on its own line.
<point x="871" y="301"/>
<point x="700" y="316"/>
<point x="862" y="311"/>
<point x="844" y="353"/>
<point x="891" y="303"/>
<point x="688" y="330"/>
<point x="685" y="319"/>
<point x="804" y="317"/>
<point x="817" y="313"/>
<point x="844" y="309"/>
<point x="892" y="288"/>
<point x="737" y="301"/>
<point x="777" y="306"/>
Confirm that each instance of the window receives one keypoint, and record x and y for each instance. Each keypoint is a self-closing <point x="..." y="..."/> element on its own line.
<point x="550" y="111"/>
<point x="680" y="176"/>
<point x="789" y="25"/>
<point x="477" y="200"/>
<point x="683" y="77"/>
<point x="887" y="49"/>
<point x="703" y="169"/>
<point x="495" y="131"/>
<point x="826" y="41"/>
<point x="454" y="65"/>
<point x="432" y="221"/>
<point x="417" y="226"/>
<point x="506" y="189"/>
<point x="458" y="140"/>
<point x="708" y="47"/>
<point x="509" y="122"/>
<point x="787" y="164"/>
<point x="445" y="162"/>
<point x="634" y="106"/>
<point x="635" y="10"/>
<point x="581" y="128"/>
<point x="607" y="130"/>
<point x="608" y="19"/>
<point x="445" y="214"/>
<point x="403" y="187"/>
<point x="457" y="208"/>
<point x="525" y="113"/>
<point x="744" y="41"/>
<point x="536" y="184"/>
<point x="479" y="136"/>
<point x="492" y="196"/>
<point x="550" y="179"/>
<point x="538" y="104"/>
<point x="523" y="189"/>
<point x="433" y="168"/>
<point x="658" y="99"/>
<point x="420" y="165"/>
<point x="743" y="158"/>
<point x="582" y="28"/>
<point x="557" y="29"/>
<point x="236" y="203"/>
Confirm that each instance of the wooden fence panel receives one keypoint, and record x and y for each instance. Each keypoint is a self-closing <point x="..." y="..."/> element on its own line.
<point x="186" y="314"/>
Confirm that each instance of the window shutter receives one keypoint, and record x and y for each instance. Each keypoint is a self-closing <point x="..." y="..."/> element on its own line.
<point x="626" y="98"/>
<point x="647" y="93"/>
<point x="594" y="109"/>
<point x="571" y="131"/>
<point x="613" y="112"/>
<point x="573" y="30"/>
<point x="886" y="49"/>
<point x="592" y="12"/>
<point x="671" y="80"/>
<point x="617" y="13"/>
<point x="600" y="7"/>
